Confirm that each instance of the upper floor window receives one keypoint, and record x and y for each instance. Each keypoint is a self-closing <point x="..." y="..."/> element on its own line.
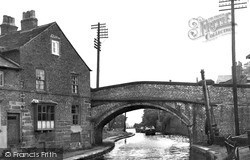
<point x="75" y="114"/>
<point x="74" y="84"/>
<point x="40" y="80"/>
<point x="55" y="47"/>
<point x="1" y="78"/>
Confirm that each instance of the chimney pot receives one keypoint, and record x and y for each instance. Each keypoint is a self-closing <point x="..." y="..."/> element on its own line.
<point x="8" y="20"/>
<point x="29" y="14"/>
<point x="5" y="19"/>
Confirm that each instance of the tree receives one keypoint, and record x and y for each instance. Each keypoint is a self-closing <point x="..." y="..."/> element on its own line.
<point x="164" y="122"/>
<point x="150" y="117"/>
<point x="117" y="122"/>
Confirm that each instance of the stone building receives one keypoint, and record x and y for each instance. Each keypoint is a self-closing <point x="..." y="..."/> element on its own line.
<point x="241" y="75"/>
<point x="247" y="69"/>
<point x="44" y="87"/>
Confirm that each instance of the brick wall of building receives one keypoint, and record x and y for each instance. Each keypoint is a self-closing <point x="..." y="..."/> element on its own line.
<point x="7" y="94"/>
<point x="36" y="54"/>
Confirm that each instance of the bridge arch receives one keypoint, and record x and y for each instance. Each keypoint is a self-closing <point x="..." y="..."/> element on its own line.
<point x="119" y="108"/>
<point x="110" y="101"/>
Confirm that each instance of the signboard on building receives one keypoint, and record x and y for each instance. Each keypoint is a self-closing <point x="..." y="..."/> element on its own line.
<point x="16" y="103"/>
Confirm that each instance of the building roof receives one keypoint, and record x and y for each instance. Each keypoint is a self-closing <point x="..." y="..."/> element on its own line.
<point x="17" y="39"/>
<point x="7" y="63"/>
<point x="223" y="78"/>
<point x="248" y="56"/>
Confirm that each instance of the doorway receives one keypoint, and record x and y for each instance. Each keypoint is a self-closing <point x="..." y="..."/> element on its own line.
<point x="13" y="129"/>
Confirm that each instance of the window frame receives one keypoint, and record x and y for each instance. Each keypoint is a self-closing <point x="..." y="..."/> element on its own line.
<point x="75" y="137"/>
<point x="44" y="117"/>
<point x="75" y="115"/>
<point x="40" y="80"/>
<point x="55" y="46"/>
<point x="1" y="78"/>
<point x="74" y="84"/>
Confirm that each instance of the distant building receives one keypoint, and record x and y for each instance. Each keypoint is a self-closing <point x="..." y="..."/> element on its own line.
<point x="44" y="87"/>
<point x="247" y="69"/>
<point x="240" y="76"/>
<point x="224" y="78"/>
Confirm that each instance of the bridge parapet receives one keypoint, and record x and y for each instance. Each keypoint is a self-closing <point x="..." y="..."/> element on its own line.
<point x="174" y="91"/>
<point x="223" y="94"/>
<point x="169" y="91"/>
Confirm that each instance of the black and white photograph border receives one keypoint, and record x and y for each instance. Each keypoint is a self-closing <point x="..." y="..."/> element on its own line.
<point x="124" y="79"/>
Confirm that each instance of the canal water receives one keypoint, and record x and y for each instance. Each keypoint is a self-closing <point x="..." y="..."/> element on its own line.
<point x="158" y="147"/>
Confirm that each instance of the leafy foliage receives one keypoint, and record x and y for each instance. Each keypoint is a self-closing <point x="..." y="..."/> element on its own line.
<point x="163" y="121"/>
<point x="117" y="122"/>
<point x="150" y="117"/>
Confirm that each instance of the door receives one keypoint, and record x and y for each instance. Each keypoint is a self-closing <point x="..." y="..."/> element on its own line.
<point x="13" y="129"/>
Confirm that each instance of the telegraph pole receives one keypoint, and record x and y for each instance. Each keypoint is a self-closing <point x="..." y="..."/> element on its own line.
<point x="207" y="106"/>
<point x="233" y="6"/>
<point x="102" y="32"/>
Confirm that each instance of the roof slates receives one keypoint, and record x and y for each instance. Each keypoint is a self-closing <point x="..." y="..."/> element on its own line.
<point x="17" y="39"/>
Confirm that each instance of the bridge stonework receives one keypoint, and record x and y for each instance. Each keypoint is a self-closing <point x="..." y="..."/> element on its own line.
<point x="184" y="100"/>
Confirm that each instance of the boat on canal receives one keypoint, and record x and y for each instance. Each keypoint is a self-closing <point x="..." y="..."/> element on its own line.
<point x="150" y="130"/>
<point x="140" y="130"/>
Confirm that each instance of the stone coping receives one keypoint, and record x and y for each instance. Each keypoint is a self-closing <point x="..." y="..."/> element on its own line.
<point x="166" y="83"/>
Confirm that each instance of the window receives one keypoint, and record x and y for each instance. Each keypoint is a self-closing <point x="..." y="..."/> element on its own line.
<point x="75" y="114"/>
<point x="1" y="78"/>
<point x="40" y="80"/>
<point x="45" y="117"/>
<point x="55" y="47"/>
<point x="76" y="137"/>
<point x="74" y="83"/>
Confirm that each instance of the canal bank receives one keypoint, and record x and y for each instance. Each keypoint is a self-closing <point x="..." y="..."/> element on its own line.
<point x="215" y="152"/>
<point x="199" y="152"/>
<point x="96" y="151"/>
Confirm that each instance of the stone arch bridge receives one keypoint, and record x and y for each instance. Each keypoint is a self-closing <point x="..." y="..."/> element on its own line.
<point x="184" y="100"/>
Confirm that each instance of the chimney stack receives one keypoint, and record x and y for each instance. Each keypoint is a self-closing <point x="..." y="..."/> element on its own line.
<point x="29" y="20"/>
<point x="8" y="25"/>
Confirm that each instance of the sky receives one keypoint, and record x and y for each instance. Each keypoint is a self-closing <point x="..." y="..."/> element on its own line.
<point x="148" y="39"/>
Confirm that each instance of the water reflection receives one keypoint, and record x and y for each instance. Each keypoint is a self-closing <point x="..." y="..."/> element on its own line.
<point x="158" y="147"/>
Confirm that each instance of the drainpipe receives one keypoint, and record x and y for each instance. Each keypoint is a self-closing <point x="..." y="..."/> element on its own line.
<point x="0" y="116"/>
